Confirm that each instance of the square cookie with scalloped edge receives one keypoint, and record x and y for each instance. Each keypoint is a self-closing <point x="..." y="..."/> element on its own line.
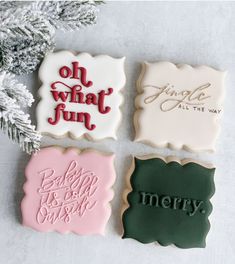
<point x="68" y="191"/>
<point x="168" y="201"/>
<point x="178" y="106"/>
<point x="80" y="95"/>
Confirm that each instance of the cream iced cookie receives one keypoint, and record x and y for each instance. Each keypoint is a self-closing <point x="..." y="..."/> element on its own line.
<point x="80" y="95"/>
<point x="178" y="106"/>
<point x="68" y="191"/>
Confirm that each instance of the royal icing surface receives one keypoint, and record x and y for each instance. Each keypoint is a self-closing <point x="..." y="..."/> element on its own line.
<point x="169" y="202"/>
<point x="80" y="95"/>
<point x="68" y="191"/>
<point x="178" y="106"/>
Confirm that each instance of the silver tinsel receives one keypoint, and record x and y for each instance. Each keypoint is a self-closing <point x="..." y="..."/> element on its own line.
<point x="27" y="31"/>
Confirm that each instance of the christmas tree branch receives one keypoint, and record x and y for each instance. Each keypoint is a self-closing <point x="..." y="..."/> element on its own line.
<point x="15" y="90"/>
<point x="13" y="121"/>
<point x="27" y="29"/>
<point x="68" y="15"/>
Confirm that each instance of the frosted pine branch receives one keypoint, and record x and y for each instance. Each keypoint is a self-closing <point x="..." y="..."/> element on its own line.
<point x="22" y="22"/>
<point x="13" y="121"/>
<point x="27" y="29"/>
<point x="5" y="5"/>
<point x="25" y="38"/>
<point x="68" y="15"/>
<point x="15" y="90"/>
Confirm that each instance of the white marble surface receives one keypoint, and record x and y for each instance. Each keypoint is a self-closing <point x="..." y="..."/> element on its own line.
<point x="194" y="33"/>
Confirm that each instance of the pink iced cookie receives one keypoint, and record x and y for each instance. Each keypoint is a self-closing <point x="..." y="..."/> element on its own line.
<point x="68" y="191"/>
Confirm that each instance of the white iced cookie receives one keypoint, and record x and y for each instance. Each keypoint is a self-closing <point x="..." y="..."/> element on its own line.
<point x="80" y="95"/>
<point x="178" y="106"/>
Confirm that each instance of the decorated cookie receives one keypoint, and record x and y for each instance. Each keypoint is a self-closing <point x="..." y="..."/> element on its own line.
<point x="68" y="191"/>
<point x="167" y="201"/>
<point x="80" y="95"/>
<point x="178" y="106"/>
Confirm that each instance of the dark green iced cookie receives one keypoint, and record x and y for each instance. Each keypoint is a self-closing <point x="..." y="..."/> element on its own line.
<point x="169" y="202"/>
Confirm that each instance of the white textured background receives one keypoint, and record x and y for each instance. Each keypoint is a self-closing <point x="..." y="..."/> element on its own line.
<point x="194" y="33"/>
